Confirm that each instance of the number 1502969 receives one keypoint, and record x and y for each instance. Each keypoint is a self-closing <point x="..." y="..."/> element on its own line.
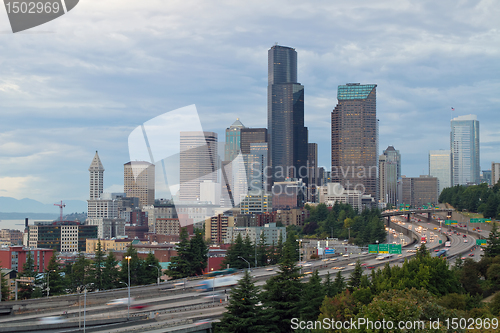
<point x="31" y="7"/>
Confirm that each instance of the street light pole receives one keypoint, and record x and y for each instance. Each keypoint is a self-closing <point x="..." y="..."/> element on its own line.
<point x="79" y="309"/>
<point x="158" y="268"/>
<point x="128" y="308"/>
<point x="246" y="262"/>
<point x="377" y="247"/>
<point x="84" y="307"/>
<point x="48" y="285"/>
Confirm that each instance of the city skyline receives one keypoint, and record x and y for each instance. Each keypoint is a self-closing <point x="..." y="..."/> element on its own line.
<point x="89" y="93"/>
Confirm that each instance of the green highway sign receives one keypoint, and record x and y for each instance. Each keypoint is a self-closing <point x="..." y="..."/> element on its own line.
<point x="383" y="248"/>
<point x="372" y="248"/>
<point x="395" y="248"/>
<point x="440" y="241"/>
<point x="481" y="241"/>
<point x="454" y="222"/>
<point x="447" y="222"/>
<point x="479" y="220"/>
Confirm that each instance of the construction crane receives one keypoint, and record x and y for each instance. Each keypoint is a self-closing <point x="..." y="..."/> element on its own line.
<point x="61" y="206"/>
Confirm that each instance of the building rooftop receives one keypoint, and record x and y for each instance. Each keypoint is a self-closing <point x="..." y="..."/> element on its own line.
<point x="354" y="91"/>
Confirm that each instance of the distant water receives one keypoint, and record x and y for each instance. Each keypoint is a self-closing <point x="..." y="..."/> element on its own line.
<point x="16" y="224"/>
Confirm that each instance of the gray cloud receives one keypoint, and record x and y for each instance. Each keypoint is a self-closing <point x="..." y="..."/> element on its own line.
<point x="111" y="65"/>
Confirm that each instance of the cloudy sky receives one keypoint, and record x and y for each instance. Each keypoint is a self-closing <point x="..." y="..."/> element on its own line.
<point x="84" y="81"/>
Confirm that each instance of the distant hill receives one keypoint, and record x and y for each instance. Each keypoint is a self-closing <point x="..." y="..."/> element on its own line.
<point x="12" y="205"/>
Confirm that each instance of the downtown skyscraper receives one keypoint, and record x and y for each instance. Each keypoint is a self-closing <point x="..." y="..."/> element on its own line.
<point x="285" y="116"/>
<point x="354" y="138"/>
<point x="198" y="163"/>
<point x="464" y="146"/>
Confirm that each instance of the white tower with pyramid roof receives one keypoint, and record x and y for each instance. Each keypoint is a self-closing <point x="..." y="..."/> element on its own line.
<point x="96" y="178"/>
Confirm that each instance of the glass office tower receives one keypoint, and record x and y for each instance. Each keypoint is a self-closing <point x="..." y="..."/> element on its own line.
<point x="285" y="116"/>
<point x="440" y="167"/>
<point x="354" y="138"/>
<point x="464" y="146"/>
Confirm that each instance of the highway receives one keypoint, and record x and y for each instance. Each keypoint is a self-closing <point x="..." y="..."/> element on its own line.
<point x="169" y="305"/>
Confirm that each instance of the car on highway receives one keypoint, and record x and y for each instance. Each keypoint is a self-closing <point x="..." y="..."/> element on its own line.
<point x="352" y="264"/>
<point x="364" y="264"/>
<point x="52" y="320"/>
<point x="471" y="254"/>
<point x="139" y="306"/>
<point x="466" y="241"/>
<point x="203" y="321"/>
<point x="120" y="301"/>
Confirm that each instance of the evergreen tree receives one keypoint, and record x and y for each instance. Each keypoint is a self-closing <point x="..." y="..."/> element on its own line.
<point x="232" y="256"/>
<point x="272" y="255"/>
<point x="492" y="248"/>
<point x="99" y="259"/>
<point x="110" y="272"/>
<point x="262" y="254"/>
<point x="244" y="314"/>
<point x="28" y="290"/>
<point x="292" y="247"/>
<point x="282" y="294"/>
<point x="4" y="286"/>
<point x="82" y="272"/>
<point x="199" y="253"/>
<point x="135" y="265"/>
<point x="180" y="265"/>
<point x="312" y="297"/>
<point x="249" y="252"/>
<point x="279" y="249"/>
<point x="150" y="271"/>
<point x="328" y="286"/>
<point x="355" y="278"/>
<point x="339" y="284"/>
<point x="53" y="276"/>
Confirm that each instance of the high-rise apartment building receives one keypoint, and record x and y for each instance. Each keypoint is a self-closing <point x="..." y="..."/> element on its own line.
<point x="285" y="116"/>
<point x="495" y="173"/>
<point x="389" y="174"/>
<point x="198" y="162"/>
<point x="440" y="167"/>
<point x="233" y="135"/>
<point x="139" y="181"/>
<point x="354" y="138"/>
<point x="464" y="146"/>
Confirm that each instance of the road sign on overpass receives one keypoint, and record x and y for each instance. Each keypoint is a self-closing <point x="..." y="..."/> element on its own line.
<point x="383" y="248"/>
<point x="479" y="220"/>
<point x="395" y="248"/>
<point x="481" y="242"/>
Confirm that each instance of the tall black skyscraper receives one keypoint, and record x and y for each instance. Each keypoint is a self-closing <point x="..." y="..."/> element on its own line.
<point x="285" y="116"/>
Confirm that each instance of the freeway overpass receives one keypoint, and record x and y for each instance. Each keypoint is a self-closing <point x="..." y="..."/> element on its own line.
<point x="387" y="214"/>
